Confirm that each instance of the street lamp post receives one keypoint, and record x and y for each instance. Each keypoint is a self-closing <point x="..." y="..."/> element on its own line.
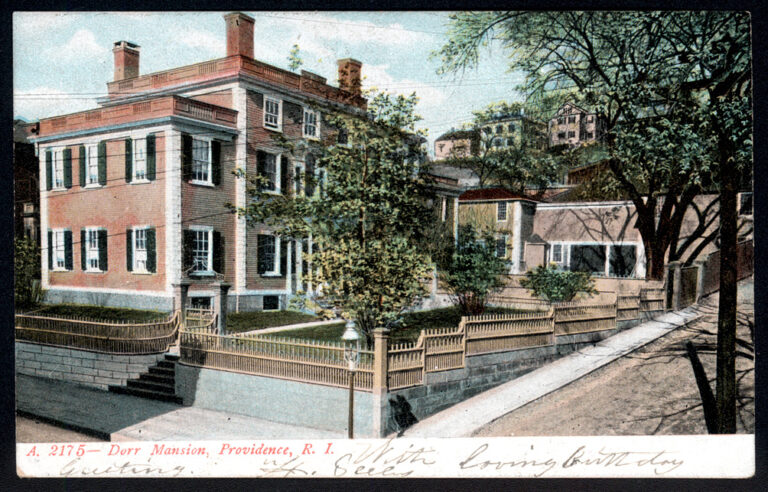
<point x="352" y="357"/>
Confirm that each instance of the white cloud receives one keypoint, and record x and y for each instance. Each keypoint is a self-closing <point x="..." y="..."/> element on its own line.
<point x="44" y="102"/>
<point x="377" y="76"/>
<point x="330" y="28"/>
<point x="40" y="23"/>
<point x="80" y="46"/>
<point x="205" y="40"/>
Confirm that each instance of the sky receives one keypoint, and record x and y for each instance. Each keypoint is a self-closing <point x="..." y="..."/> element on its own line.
<point x="62" y="61"/>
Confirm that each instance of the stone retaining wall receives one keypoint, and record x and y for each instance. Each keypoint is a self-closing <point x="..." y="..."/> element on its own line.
<point x="79" y="366"/>
<point x="277" y="400"/>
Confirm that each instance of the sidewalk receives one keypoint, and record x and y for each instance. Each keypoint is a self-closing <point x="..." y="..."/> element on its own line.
<point x="111" y="416"/>
<point x="467" y="417"/>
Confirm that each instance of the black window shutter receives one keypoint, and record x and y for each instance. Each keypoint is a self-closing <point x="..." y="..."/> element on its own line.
<point x="128" y="160"/>
<point x="285" y="176"/>
<point x="129" y="249"/>
<point x="83" y="262"/>
<point x="309" y="175"/>
<point x="103" y="250"/>
<point x="68" y="250"/>
<point x="216" y="162"/>
<point x="218" y="252"/>
<point x="102" y="163"/>
<point x="67" y="168"/>
<point x="186" y="155"/>
<point x="151" y="250"/>
<point x="50" y="249"/>
<point x="151" y="156"/>
<point x="49" y="170"/>
<point x="284" y="243"/>
<point x="261" y="260"/>
<point x="187" y="249"/>
<point x="81" y="167"/>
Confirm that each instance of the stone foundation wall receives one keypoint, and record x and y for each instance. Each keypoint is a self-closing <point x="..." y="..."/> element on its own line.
<point x="79" y="366"/>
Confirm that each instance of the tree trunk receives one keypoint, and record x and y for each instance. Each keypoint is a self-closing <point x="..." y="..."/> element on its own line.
<point x="726" y="320"/>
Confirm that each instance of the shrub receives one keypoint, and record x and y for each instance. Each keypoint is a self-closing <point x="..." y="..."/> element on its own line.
<point x="554" y="285"/>
<point x="26" y="262"/>
<point x="474" y="271"/>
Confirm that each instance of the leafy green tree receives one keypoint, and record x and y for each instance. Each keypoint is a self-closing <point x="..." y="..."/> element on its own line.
<point x="474" y="271"/>
<point x="649" y="74"/>
<point x="675" y="88"/>
<point x="368" y="219"/>
<point x="26" y="263"/>
<point x="295" y="61"/>
<point x="555" y="285"/>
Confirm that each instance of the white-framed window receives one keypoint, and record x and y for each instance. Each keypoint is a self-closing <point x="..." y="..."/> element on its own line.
<point x="501" y="246"/>
<point x="202" y="250"/>
<point x="444" y="210"/>
<point x="501" y="211"/>
<point x="58" y="169"/>
<point x="140" y="159"/>
<point x="92" y="250"/>
<point x="92" y="165"/>
<point x="556" y="255"/>
<point x="273" y="114"/>
<point x="268" y="255"/>
<point x="572" y="119"/>
<point x="140" y="250"/>
<point x="59" y="259"/>
<point x="201" y="161"/>
<point x="311" y="124"/>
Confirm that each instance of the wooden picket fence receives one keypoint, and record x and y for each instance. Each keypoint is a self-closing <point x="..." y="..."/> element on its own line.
<point x="285" y="358"/>
<point x="109" y="337"/>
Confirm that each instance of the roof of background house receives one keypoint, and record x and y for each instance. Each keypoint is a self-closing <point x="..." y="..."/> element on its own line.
<point x="491" y="194"/>
<point x="454" y="134"/>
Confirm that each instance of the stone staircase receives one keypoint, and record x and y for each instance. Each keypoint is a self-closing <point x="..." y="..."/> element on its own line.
<point x="158" y="383"/>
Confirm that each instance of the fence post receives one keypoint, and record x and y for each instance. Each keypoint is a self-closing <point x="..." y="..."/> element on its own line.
<point x="701" y="265"/>
<point x="379" y="393"/>
<point x="674" y="274"/>
<point x="220" y="308"/>
<point x="180" y="291"/>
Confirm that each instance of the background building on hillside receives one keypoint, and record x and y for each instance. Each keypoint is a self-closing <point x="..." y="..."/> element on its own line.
<point x="457" y="144"/>
<point x="573" y="126"/>
<point x="26" y="182"/>
<point x="513" y="131"/>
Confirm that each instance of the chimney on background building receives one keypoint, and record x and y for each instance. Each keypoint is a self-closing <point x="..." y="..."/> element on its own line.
<point x="349" y="75"/>
<point x="126" y="60"/>
<point x="239" y="34"/>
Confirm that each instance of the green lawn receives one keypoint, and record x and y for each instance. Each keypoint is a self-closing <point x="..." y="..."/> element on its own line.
<point x="409" y="330"/>
<point x="257" y="320"/>
<point x="98" y="312"/>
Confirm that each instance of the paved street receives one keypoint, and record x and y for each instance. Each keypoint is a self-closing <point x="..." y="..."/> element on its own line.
<point x="650" y="392"/>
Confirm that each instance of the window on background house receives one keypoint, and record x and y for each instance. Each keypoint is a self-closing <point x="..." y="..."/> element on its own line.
<point x="511" y="127"/>
<point x="268" y="168"/>
<point x="571" y="134"/>
<point x="561" y="135"/>
<point x="271" y="303"/>
<point x="557" y="254"/>
<point x="589" y="135"/>
<point x="297" y="180"/>
<point x="272" y="113"/>
<point x="268" y="259"/>
<point x="201" y="251"/>
<point x="444" y="209"/>
<point x="590" y="119"/>
<point x="622" y="261"/>
<point x="510" y="142"/>
<point x="560" y="120"/>
<point x="501" y="211"/>
<point x="501" y="247"/>
<point x="311" y="124"/>
<point x="588" y="258"/>
<point x="499" y="129"/>
<point x="201" y="161"/>
<point x="572" y="119"/>
<point x="92" y="164"/>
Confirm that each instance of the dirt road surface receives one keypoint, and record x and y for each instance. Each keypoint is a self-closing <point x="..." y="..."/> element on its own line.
<point x="31" y="430"/>
<point x="650" y="392"/>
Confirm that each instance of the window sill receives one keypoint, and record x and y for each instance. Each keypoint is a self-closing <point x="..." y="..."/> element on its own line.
<point x="95" y="271"/>
<point x="135" y="272"/>
<point x="273" y="129"/>
<point x="91" y="186"/>
<point x="140" y="181"/>
<point x="271" y="274"/>
<point x="58" y="189"/>
<point x="311" y="137"/>
<point x="60" y="270"/>
<point x="207" y="273"/>
<point x="207" y="184"/>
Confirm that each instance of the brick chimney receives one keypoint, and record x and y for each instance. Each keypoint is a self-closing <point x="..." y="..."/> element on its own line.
<point x="349" y="75"/>
<point x="126" y="60"/>
<point x="239" y="34"/>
